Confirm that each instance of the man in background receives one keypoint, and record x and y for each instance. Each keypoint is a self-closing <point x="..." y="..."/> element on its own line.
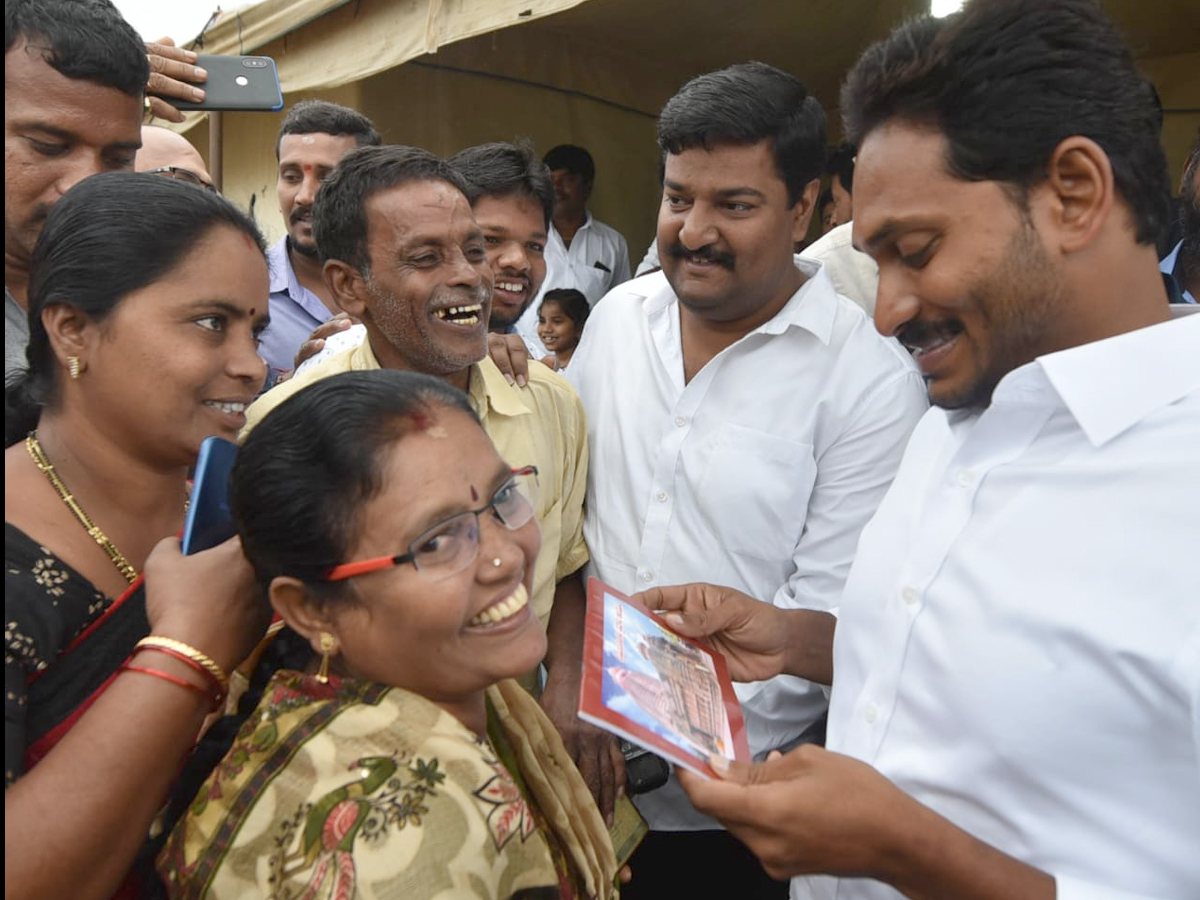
<point x="314" y="136"/>
<point x="163" y="152"/>
<point x="581" y="251"/>
<point x="840" y="168"/>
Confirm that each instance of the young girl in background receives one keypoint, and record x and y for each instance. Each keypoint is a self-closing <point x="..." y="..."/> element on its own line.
<point x="560" y="323"/>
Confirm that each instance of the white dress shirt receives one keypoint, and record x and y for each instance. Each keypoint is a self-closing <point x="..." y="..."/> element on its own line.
<point x="1019" y="643"/>
<point x="759" y="473"/>
<point x="595" y="263"/>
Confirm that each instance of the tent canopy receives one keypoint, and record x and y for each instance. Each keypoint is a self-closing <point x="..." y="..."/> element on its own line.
<point x="445" y="74"/>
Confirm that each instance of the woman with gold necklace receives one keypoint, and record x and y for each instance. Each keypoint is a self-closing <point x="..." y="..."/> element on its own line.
<point x="146" y="298"/>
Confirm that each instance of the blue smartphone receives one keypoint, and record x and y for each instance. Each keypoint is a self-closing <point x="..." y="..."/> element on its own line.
<point x="210" y="514"/>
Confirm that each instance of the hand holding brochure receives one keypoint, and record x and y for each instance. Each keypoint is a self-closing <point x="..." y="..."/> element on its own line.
<point x="657" y="688"/>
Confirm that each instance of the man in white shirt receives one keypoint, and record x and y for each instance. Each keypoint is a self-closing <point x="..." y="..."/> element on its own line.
<point x="581" y="251"/>
<point x="1016" y="698"/>
<point x="744" y="420"/>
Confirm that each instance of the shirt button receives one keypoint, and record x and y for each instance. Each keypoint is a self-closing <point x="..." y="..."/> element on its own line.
<point x="966" y="478"/>
<point x="871" y="714"/>
<point x="647" y="577"/>
<point x="680" y="421"/>
<point x="661" y="496"/>
<point x="911" y="596"/>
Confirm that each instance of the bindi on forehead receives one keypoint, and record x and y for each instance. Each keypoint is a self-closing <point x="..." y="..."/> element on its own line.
<point x="306" y="167"/>
<point x="474" y="494"/>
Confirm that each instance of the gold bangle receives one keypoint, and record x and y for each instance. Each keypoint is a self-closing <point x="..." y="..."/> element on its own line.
<point x="190" y="652"/>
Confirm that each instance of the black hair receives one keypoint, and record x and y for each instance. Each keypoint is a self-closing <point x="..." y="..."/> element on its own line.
<point x="841" y="164"/>
<point x="572" y="302"/>
<point x="745" y="104"/>
<point x="340" y="209"/>
<point x="569" y="158"/>
<point x="1006" y="81"/>
<point x="503" y="170"/>
<point x="304" y="474"/>
<point x="85" y="40"/>
<point x="323" y="117"/>
<point x="108" y="236"/>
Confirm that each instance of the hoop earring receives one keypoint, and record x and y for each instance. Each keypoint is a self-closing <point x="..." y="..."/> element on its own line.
<point x="74" y="367"/>
<point x="328" y="644"/>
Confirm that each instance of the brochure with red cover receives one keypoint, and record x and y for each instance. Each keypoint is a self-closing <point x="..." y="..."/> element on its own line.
<point x="655" y="687"/>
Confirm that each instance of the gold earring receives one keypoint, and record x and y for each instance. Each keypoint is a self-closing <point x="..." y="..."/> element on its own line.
<point x="74" y="367"/>
<point x="328" y="644"/>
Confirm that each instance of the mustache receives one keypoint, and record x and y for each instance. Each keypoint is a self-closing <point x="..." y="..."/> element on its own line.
<point x="299" y="213"/>
<point x="917" y="335"/>
<point x="707" y="253"/>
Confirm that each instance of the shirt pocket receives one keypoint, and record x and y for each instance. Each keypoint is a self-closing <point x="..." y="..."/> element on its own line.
<point x="590" y="281"/>
<point x="754" y="491"/>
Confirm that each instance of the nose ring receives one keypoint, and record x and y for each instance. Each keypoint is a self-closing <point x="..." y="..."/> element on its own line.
<point x="496" y="562"/>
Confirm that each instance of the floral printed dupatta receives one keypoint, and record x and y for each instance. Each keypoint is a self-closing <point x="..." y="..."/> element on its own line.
<point x="359" y="790"/>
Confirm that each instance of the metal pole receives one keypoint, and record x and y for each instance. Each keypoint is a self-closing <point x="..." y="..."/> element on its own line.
<point x="216" y="141"/>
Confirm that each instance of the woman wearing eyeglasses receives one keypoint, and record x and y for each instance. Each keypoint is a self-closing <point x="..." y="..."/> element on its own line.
<point x="396" y="758"/>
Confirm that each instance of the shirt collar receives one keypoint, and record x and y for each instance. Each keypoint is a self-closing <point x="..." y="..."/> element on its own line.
<point x="487" y="389"/>
<point x="1109" y="386"/>
<point x="587" y="223"/>
<point x="363" y="358"/>
<point x="490" y="391"/>
<point x="280" y="267"/>
<point x="813" y="307"/>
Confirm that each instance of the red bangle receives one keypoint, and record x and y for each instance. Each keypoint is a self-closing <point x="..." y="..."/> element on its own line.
<point x="217" y="699"/>
<point x="195" y="666"/>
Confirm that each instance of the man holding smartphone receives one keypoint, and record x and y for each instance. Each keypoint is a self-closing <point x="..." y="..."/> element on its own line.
<point x="314" y="136"/>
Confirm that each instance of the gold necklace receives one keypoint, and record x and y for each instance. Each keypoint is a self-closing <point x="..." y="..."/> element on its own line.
<point x="39" y="459"/>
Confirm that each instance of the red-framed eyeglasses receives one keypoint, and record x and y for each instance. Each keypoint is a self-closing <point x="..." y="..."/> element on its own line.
<point x="452" y="545"/>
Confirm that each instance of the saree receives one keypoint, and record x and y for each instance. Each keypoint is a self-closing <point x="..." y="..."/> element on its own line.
<point x="353" y="789"/>
<point x="63" y="644"/>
